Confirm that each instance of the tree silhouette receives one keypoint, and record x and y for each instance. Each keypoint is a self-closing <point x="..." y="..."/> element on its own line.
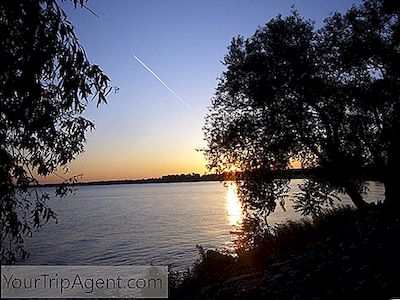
<point x="46" y="82"/>
<point x="292" y="92"/>
<point x="367" y="39"/>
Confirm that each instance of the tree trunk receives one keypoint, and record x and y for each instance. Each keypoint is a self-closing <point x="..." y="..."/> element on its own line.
<point x="355" y="196"/>
<point x="391" y="177"/>
<point x="390" y="193"/>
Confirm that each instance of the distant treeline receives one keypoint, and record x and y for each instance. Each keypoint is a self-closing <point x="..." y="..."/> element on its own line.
<point x="368" y="174"/>
<point x="193" y="177"/>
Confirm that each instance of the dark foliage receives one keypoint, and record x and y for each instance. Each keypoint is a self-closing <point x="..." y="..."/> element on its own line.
<point x="342" y="254"/>
<point x="46" y="82"/>
<point x="327" y="98"/>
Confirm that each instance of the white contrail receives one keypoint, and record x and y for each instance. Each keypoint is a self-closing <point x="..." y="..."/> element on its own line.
<point x="164" y="84"/>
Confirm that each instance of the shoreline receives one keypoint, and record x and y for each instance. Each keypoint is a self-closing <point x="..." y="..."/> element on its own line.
<point x="164" y="179"/>
<point x="344" y="253"/>
<point x="367" y="174"/>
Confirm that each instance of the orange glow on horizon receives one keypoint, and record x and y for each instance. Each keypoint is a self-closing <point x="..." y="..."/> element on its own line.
<point x="95" y="168"/>
<point x="295" y="164"/>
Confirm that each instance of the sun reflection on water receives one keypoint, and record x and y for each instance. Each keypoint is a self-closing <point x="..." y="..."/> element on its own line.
<point x="233" y="206"/>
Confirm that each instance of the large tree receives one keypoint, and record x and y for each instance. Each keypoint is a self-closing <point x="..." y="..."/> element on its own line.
<point x="46" y="82"/>
<point x="292" y="92"/>
<point x="367" y="43"/>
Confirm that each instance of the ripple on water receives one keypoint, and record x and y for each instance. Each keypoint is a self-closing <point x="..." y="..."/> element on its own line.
<point x="144" y="224"/>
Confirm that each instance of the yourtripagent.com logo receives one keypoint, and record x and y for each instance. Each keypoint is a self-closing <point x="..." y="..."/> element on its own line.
<point x="84" y="282"/>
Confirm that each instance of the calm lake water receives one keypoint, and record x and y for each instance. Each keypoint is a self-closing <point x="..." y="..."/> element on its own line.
<point x="145" y="224"/>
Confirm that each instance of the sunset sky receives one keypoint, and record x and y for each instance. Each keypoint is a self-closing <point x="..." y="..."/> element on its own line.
<point x="145" y="131"/>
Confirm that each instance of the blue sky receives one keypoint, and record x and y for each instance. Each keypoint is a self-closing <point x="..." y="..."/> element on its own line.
<point x="145" y="131"/>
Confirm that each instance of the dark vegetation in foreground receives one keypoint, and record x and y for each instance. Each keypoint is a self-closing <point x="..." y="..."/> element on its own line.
<point x="342" y="254"/>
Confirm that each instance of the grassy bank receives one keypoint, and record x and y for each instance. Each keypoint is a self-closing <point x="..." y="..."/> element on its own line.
<point x="342" y="254"/>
